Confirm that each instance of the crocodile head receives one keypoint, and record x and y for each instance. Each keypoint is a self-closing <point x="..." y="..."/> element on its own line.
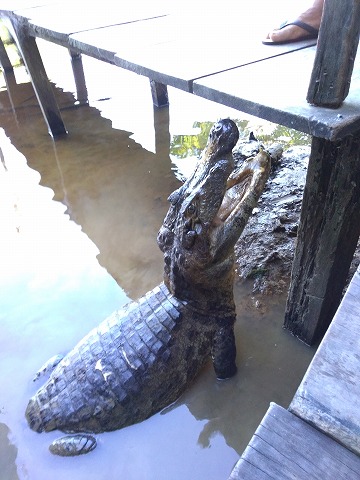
<point x="207" y="215"/>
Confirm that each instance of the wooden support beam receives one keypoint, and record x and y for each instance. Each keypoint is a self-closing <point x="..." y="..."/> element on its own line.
<point x="328" y="233"/>
<point x="42" y="87"/>
<point x="320" y="399"/>
<point x="79" y="77"/>
<point x="159" y="94"/>
<point x="162" y="132"/>
<point x="4" y="59"/>
<point x="285" y="447"/>
<point x="335" y="55"/>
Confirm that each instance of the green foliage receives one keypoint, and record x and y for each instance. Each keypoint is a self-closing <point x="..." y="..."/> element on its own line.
<point x="10" y="46"/>
<point x="4" y="34"/>
<point x="183" y="146"/>
<point x="286" y="136"/>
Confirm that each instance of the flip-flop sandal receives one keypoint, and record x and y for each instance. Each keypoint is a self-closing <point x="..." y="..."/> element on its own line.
<point x="312" y="33"/>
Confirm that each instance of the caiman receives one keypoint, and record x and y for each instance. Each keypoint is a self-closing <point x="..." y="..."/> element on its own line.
<point x="143" y="357"/>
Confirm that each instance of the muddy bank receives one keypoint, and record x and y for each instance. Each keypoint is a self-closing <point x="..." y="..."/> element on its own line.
<point x="265" y="251"/>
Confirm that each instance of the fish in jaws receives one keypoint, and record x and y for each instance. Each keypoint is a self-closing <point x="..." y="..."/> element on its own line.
<point x="144" y="356"/>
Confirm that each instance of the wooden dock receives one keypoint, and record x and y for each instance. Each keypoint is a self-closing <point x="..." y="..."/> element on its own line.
<point x="319" y="436"/>
<point x="218" y="55"/>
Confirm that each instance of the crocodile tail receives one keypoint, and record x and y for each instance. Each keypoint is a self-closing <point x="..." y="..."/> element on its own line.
<point x="33" y="417"/>
<point x="97" y="386"/>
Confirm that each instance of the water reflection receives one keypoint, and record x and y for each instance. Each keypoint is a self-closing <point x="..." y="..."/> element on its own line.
<point x="8" y="454"/>
<point x="232" y="409"/>
<point x="186" y="148"/>
<point x="105" y="178"/>
<point x="75" y="216"/>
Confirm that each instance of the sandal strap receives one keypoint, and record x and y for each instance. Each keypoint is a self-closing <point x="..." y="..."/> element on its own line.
<point x="305" y="26"/>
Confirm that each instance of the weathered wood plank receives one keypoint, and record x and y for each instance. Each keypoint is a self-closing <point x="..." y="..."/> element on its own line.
<point x="56" y="22"/>
<point x="10" y="6"/>
<point x="275" y="89"/>
<point x="336" y="52"/>
<point x="329" y="395"/>
<point x="43" y="89"/>
<point x="328" y="233"/>
<point x="285" y="447"/>
<point x="66" y="16"/>
<point x="170" y="53"/>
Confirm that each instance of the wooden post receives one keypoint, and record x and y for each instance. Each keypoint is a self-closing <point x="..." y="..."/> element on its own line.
<point x="335" y="55"/>
<point x="42" y="87"/>
<point x="8" y="72"/>
<point x="162" y="132"/>
<point x="79" y="77"/>
<point x="328" y="233"/>
<point x="159" y="94"/>
<point x="4" y="59"/>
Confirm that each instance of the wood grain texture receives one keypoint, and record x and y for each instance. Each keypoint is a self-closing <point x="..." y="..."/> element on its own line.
<point x="285" y="447"/>
<point x="56" y="20"/>
<point x="327" y="237"/>
<point x="336" y="51"/>
<point x="329" y="395"/>
<point x="179" y="52"/>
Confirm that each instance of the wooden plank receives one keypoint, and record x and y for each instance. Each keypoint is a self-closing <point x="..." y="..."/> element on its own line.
<point x="57" y="21"/>
<point x="327" y="236"/>
<point x="168" y="49"/>
<point x="336" y="52"/>
<point x="329" y="395"/>
<point x="13" y="5"/>
<point x="275" y="89"/>
<point x="285" y="447"/>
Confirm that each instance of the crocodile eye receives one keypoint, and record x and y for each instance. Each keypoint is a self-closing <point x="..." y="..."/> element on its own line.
<point x="189" y="239"/>
<point x="191" y="209"/>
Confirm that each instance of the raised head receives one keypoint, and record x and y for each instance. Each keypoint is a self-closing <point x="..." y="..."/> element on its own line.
<point x="207" y="215"/>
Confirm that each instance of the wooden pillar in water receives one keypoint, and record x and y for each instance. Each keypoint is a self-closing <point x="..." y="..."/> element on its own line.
<point x="79" y="77"/>
<point x="328" y="233"/>
<point x="330" y="219"/>
<point x="42" y="87"/>
<point x="162" y="132"/>
<point x="159" y="94"/>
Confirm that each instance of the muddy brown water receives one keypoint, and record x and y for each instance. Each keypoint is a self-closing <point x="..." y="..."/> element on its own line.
<point x="79" y="220"/>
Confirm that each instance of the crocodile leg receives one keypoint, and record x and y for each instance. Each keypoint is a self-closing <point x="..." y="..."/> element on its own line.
<point x="223" y="351"/>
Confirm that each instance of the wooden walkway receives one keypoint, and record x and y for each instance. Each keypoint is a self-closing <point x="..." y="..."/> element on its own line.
<point x="217" y="54"/>
<point x="319" y="436"/>
<point x="284" y="447"/>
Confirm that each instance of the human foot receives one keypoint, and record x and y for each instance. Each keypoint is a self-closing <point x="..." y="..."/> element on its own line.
<point x="306" y="26"/>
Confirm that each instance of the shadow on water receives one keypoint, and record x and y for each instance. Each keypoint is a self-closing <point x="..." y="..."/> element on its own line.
<point x="8" y="454"/>
<point x="116" y="191"/>
<point x="112" y="187"/>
